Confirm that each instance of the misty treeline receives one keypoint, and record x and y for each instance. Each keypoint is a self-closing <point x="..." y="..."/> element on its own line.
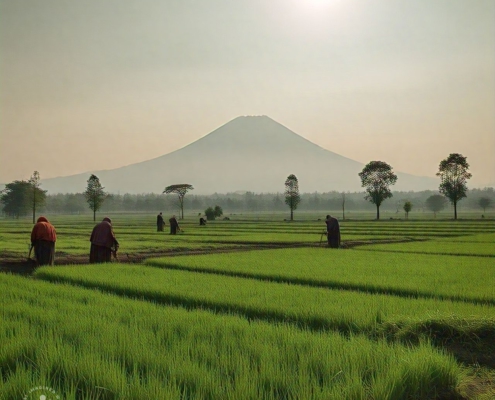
<point x="250" y="202"/>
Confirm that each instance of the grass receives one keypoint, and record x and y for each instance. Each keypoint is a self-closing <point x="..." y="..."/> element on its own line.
<point x="308" y="307"/>
<point x="409" y="275"/>
<point x="291" y="323"/>
<point x="122" y="348"/>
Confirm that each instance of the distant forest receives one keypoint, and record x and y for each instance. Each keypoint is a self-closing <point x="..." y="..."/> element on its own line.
<point x="252" y="202"/>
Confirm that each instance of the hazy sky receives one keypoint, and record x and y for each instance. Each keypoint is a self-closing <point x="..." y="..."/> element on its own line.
<point x="90" y="85"/>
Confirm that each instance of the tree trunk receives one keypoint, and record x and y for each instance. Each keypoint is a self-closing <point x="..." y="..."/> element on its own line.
<point x="455" y="210"/>
<point x="94" y="215"/>
<point x="377" y="212"/>
<point x="291" y="214"/>
<point x="34" y="206"/>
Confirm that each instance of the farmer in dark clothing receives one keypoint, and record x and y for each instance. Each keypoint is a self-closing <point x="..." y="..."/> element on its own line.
<point x="43" y="238"/>
<point x="103" y="242"/>
<point x="174" y="225"/>
<point x="160" y="223"/>
<point x="202" y="221"/>
<point x="333" y="232"/>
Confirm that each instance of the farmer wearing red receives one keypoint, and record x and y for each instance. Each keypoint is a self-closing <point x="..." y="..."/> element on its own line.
<point x="43" y="238"/>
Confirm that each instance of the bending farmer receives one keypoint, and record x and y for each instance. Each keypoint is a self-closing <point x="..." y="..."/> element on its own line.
<point x="43" y="238"/>
<point x="103" y="242"/>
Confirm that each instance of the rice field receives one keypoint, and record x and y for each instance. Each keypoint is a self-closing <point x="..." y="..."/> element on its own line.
<point x="249" y="309"/>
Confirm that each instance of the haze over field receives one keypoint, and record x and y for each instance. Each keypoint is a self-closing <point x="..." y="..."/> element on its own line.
<point x="90" y="86"/>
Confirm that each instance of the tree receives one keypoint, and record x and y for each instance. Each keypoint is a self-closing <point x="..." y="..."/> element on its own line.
<point x="95" y="195"/>
<point x="436" y="203"/>
<point x="343" y="205"/>
<point x="292" y="197"/>
<point x="453" y="173"/>
<point x="376" y="177"/>
<point x="407" y="208"/>
<point x="484" y="202"/>
<point x="37" y="197"/>
<point x="218" y="211"/>
<point x="15" y="198"/>
<point x="181" y="189"/>
<point x="212" y="213"/>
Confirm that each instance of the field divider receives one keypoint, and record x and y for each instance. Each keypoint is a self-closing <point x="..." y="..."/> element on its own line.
<point x="312" y="323"/>
<point x="332" y="285"/>
<point x="444" y="331"/>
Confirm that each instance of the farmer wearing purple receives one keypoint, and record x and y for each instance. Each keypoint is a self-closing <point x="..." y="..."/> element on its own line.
<point x="333" y="232"/>
<point x="103" y="242"/>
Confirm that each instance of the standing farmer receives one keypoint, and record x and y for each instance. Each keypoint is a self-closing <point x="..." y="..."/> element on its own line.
<point x="160" y="223"/>
<point x="103" y="242"/>
<point x="333" y="232"/>
<point x="43" y="238"/>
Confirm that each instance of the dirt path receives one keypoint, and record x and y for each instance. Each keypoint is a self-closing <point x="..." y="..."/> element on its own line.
<point x="14" y="264"/>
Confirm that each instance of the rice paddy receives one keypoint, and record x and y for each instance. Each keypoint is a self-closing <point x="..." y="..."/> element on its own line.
<point x="249" y="309"/>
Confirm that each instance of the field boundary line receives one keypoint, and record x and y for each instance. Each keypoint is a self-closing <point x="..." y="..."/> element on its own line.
<point x="331" y="285"/>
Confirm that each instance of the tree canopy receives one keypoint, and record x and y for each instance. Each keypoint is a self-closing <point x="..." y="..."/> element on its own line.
<point x="436" y="203"/>
<point x="376" y="177"/>
<point x="95" y="195"/>
<point x="453" y="173"/>
<point x="180" y="189"/>
<point x="292" y="197"/>
<point x="15" y="198"/>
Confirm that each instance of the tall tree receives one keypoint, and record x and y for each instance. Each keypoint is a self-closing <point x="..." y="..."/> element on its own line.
<point x="292" y="197"/>
<point x="453" y="173"/>
<point x="407" y="208"/>
<point x="436" y="203"/>
<point x="15" y="198"/>
<point x="37" y="197"/>
<point x="376" y="177"/>
<point x="95" y="195"/>
<point x="180" y="189"/>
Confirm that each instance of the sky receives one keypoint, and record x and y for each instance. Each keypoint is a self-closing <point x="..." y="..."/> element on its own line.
<point x="91" y="85"/>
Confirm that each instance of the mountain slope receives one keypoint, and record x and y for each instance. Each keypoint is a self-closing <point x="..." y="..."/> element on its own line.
<point x="247" y="153"/>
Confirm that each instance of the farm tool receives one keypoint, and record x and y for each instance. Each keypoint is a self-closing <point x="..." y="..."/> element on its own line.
<point x="321" y="237"/>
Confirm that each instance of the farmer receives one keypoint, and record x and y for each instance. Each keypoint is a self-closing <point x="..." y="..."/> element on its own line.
<point x="174" y="225"/>
<point x="103" y="242"/>
<point x="43" y="238"/>
<point x="333" y="232"/>
<point x="202" y="221"/>
<point x="160" y="223"/>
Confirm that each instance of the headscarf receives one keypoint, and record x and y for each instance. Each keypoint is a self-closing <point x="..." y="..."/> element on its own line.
<point x="42" y="219"/>
<point x="107" y="220"/>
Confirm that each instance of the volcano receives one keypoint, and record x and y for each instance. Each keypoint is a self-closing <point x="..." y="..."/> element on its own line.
<point x="251" y="153"/>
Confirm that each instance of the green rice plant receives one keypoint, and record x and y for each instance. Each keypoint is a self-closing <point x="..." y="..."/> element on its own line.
<point x="415" y="275"/>
<point x="475" y="248"/>
<point x="309" y="307"/>
<point x="89" y="345"/>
